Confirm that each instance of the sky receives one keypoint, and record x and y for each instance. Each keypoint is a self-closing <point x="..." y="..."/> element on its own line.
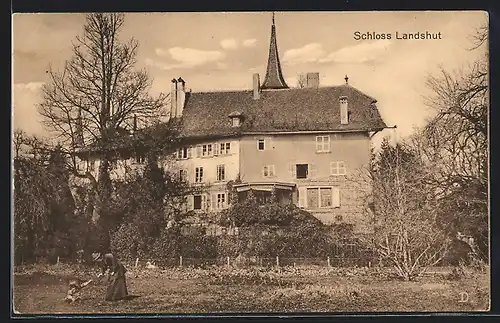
<point x="221" y="51"/>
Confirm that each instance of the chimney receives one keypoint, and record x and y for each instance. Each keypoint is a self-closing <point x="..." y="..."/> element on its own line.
<point x="181" y="96"/>
<point x="173" y="99"/>
<point x="312" y="80"/>
<point x="256" y="86"/>
<point x="344" y="111"/>
<point x="79" y="142"/>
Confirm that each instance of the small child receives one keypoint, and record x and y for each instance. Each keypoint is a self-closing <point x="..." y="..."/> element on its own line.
<point x="75" y="290"/>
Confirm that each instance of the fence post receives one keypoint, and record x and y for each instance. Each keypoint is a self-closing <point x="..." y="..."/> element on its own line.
<point x="277" y="261"/>
<point x="328" y="261"/>
<point x="58" y="260"/>
<point x="180" y="261"/>
<point x="228" y="263"/>
<point x="137" y="261"/>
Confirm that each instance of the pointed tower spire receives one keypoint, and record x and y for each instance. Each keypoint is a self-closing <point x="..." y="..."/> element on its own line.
<point x="274" y="77"/>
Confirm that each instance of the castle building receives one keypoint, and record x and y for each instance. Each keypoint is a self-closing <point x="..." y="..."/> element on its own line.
<point x="303" y="143"/>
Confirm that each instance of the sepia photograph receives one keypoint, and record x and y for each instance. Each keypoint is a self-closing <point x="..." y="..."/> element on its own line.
<point x="250" y="162"/>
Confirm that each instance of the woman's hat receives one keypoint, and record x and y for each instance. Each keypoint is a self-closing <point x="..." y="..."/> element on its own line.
<point x="96" y="256"/>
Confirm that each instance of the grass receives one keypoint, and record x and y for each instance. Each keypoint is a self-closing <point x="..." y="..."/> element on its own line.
<point x="41" y="290"/>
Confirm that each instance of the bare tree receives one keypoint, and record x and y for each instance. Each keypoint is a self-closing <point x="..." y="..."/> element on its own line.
<point x="480" y="37"/>
<point x="454" y="144"/>
<point x="403" y="212"/>
<point x="302" y="81"/>
<point x="97" y="93"/>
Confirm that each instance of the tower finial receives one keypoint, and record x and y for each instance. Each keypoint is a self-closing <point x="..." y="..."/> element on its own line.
<point x="346" y="79"/>
<point x="273" y="18"/>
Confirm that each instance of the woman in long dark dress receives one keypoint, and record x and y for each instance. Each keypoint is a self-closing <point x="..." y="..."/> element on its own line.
<point x="117" y="286"/>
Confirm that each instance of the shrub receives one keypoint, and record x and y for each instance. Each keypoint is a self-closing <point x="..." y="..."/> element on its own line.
<point x="271" y="230"/>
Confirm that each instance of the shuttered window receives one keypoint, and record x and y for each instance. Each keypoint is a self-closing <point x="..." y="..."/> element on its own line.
<point x="319" y="197"/>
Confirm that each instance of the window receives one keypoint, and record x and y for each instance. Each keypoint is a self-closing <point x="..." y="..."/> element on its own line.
<point x="268" y="171"/>
<point x="236" y="122"/>
<point x="301" y="170"/>
<point x="221" y="200"/>
<point x="221" y="172"/>
<point x="325" y="197"/>
<point x="184" y="153"/>
<point x="337" y="168"/>
<point x="322" y="197"/>
<point x="140" y="158"/>
<point x="322" y="144"/>
<point x="262" y="197"/>
<point x="199" y="175"/>
<point x="183" y="174"/>
<point x="207" y="150"/>
<point x="197" y="202"/>
<point x="260" y="144"/>
<point x="312" y="197"/>
<point x="225" y="148"/>
<point x="91" y="165"/>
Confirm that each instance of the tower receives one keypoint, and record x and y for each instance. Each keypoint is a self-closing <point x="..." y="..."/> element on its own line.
<point x="274" y="77"/>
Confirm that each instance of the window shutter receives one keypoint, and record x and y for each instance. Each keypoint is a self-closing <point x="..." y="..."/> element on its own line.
<point x="208" y="201"/>
<point x="343" y="168"/>
<point x="292" y="170"/>
<point x="335" y="197"/>
<point x="302" y="197"/>
<point x="263" y="171"/>
<point x="198" y="151"/>
<point x="273" y="171"/>
<point x="318" y="144"/>
<point x="328" y="143"/>
<point x="216" y="147"/>
<point x="268" y="144"/>
<point x="312" y="171"/>
<point x="233" y="146"/>
<point x="190" y="202"/>
<point x="190" y="174"/>
<point x="214" y="201"/>
<point x="203" y="201"/>
<point x="189" y="152"/>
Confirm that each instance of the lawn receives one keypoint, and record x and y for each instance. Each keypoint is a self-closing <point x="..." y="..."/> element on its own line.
<point x="41" y="289"/>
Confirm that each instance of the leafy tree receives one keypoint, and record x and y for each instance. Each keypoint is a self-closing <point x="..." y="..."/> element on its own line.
<point x="43" y="203"/>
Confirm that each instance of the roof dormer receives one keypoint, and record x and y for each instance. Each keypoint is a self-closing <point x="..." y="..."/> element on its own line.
<point x="236" y="119"/>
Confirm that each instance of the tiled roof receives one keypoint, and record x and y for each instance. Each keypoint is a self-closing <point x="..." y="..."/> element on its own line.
<point x="207" y="114"/>
<point x="308" y="109"/>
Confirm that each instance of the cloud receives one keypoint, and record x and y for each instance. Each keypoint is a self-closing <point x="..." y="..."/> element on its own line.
<point x="229" y="43"/>
<point x="357" y="54"/>
<point x="360" y="53"/>
<point x="309" y="53"/>
<point x="32" y="86"/>
<point x="185" y="57"/>
<point x="250" y="42"/>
